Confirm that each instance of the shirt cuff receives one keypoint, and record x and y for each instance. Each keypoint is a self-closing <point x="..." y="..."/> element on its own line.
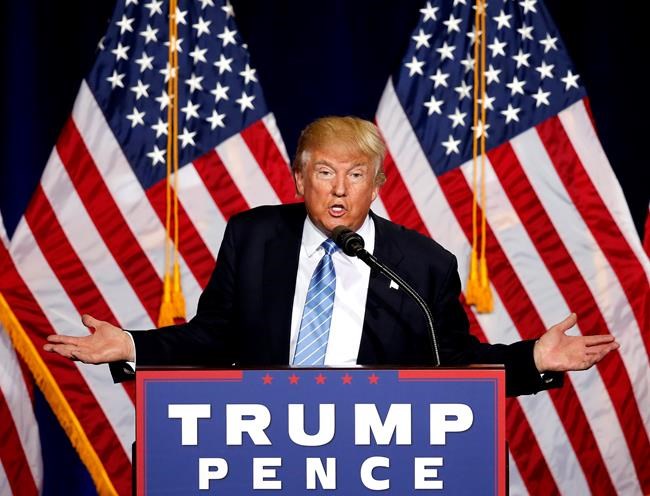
<point x="131" y="364"/>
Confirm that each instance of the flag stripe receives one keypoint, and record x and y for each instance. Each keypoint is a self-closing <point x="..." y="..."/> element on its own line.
<point x="597" y="217"/>
<point x="200" y="208"/>
<point x="521" y="309"/>
<point x="80" y="397"/>
<point x="274" y="132"/>
<point x="565" y="275"/>
<point x="223" y="190"/>
<point x="190" y="244"/>
<point x="397" y="200"/>
<point x="579" y="128"/>
<point x="12" y="456"/>
<point x="112" y="402"/>
<point x="246" y="173"/>
<point x="522" y="443"/>
<point x="88" y="245"/>
<point x="107" y="218"/>
<point x="270" y="160"/>
<point x="66" y="266"/>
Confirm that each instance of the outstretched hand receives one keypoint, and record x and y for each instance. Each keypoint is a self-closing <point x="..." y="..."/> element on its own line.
<point x="107" y="344"/>
<point x="555" y="351"/>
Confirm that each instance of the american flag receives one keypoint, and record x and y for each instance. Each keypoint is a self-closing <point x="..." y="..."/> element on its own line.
<point x="21" y="466"/>
<point x="92" y="238"/>
<point x="560" y="237"/>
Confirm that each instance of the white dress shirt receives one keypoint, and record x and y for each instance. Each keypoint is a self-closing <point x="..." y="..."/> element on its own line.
<point x="352" y="279"/>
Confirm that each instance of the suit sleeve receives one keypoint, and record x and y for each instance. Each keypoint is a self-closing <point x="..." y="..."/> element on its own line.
<point x="459" y="347"/>
<point x="207" y="339"/>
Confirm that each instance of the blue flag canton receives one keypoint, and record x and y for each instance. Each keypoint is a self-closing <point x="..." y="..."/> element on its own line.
<point x="219" y="90"/>
<point x="529" y="76"/>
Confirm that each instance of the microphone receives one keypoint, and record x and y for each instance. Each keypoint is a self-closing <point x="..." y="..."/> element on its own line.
<point x="352" y="244"/>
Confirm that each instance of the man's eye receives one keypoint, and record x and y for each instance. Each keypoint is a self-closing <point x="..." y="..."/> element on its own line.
<point x="324" y="173"/>
<point x="357" y="175"/>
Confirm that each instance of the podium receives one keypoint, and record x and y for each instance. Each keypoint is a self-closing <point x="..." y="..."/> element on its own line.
<point x="321" y="431"/>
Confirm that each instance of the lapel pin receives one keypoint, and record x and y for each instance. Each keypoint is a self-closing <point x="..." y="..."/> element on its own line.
<point x="393" y="285"/>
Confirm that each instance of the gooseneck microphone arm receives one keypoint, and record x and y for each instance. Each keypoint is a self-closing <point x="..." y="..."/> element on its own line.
<point x="352" y="245"/>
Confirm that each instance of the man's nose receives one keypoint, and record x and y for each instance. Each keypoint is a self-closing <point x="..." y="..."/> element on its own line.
<point x="339" y="187"/>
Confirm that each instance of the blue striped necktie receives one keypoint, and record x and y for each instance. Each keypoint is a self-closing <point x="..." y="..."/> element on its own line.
<point x="317" y="313"/>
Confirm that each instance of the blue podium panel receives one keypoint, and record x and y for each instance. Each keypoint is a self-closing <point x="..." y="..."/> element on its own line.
<point x="321" y="431"/>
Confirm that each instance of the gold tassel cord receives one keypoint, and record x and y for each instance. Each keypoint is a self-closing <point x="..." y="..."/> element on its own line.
<point x="173" y="301"/>
<point x="478" y="292"/>
<point x="56" y="399"/>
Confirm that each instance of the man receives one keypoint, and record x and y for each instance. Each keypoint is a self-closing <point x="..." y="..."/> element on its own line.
<point x="281" y="294"/>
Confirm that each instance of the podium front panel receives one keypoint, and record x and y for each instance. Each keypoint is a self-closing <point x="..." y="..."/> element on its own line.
<point x="334" y="431"/>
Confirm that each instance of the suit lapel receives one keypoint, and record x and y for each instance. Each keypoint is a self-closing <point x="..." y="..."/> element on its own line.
<point x="384" y="303"/>
<point x="281" y="256"/>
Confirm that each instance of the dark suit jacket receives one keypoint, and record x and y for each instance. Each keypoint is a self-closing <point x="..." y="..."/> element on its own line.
<point x="244" y="314"/>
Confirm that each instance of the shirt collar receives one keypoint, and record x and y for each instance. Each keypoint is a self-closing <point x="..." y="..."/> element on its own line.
<point x="312" y="237"/>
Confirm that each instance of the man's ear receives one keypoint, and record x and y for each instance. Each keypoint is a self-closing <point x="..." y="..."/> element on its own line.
<point x="298" y="181"/>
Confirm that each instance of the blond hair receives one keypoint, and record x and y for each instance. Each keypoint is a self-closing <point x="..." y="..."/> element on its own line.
<point x="352" y="133"/>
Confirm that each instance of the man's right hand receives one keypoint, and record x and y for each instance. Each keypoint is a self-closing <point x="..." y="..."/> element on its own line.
<point x="107" y="344"/>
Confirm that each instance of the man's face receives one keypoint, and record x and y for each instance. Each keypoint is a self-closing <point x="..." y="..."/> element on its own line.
<point x="338" y="187"/>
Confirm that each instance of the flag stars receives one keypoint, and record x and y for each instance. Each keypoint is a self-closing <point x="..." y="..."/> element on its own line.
<point x="452" y="23"/>
<point x="549" y="43"/>
<point x="503" y="20"/>
<point x="429" y="13"/>
<point x="150" y="34"/>
<point x="248" y="74"/>
<point x="451" y="145"/>
<point x="320" y="379"/>
<point x="198" y="54"/>
<point x="168" y="72"/>
<point x="267" y="379"/>
<point x="472" y="36"/>
<point x="373" y="378"/>
<point x="463" y="90"/>
<point x="433" y="105"/>
<point x="528" y="6"/>
<point x="497" y="47"/>
<point x="223" y="64"/>
<point x="245" y="101"/>
<point x="480" y="130"/>
<point x="346" y="379"/>
<point x="446" y="51"/>
<point x="516" y="86"/>
<point x="220" y="92"/>
<point x="457" y="118"/>
<point x="190" y="110"/>
<point x="228" y="36"/>
<point x="541" y="98"/>
<point x="525" y="32"/>
<point x="154" y="7"/>
<point x="177" y="44"/>
<point x="521" y="58"/>
<point x="439" y="79"/>
<point x="125" y="24"/>
<point x="145" y="62"/>
<point x="163" y="100"/>
<point x="570" y="80"/>
<point x="120" y="51"/>
<point x="187" y="137"/>
<point x="206" y="3"/>
<point x="489" y="100"/>
<point x="293" y="379"/>
<point x="156" y="155"/>
<point x="421" y="39"/>
<point x="415" y="67"/>
<point x="194" y="82"/>
<point x="160" y="127"/>
<point x="140" y="90"/>
<point x="202" y="27"/>
<point x="492" y="74"/>
<point x="216" y="120"/>
<point x="511" y="113"/>
<point x="180" y="16"/>
<point x="468" y="63"/>
<point x="136" y="118"/>
<point x="116" y="80"/>
<point x="545" y="70"/>
<point x="228" y="10"/>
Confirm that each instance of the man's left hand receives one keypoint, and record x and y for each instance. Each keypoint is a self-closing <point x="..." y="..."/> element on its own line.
<point x="555" y="351"/>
